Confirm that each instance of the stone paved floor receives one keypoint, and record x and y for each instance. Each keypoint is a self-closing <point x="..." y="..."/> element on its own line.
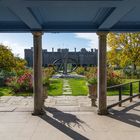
<point x="67" y="123"/>
<point x="66" y="88"/>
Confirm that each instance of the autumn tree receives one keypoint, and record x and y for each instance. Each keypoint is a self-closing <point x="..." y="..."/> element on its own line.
<point x="124" y="49"/>
<point x="10" y="62"/>
<point x="7" y="59"/>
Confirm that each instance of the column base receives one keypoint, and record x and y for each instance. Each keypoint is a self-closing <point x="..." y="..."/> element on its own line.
<point x="38" y="112"/>
<point x="102" y="112"/>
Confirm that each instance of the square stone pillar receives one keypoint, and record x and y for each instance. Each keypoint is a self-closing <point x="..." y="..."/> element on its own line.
<point x="102" y="71"/>
<point x="37" y="66"/>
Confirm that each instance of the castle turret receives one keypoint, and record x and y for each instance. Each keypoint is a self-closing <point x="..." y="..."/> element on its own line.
<point x="52" y="49"/>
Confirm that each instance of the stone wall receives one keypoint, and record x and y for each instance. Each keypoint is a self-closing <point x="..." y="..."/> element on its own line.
<point x="83" y="57"/>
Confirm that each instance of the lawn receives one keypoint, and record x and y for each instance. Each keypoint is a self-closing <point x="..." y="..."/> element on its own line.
<point x="78" y="86"/>
<point x="55" y="87"/>
<point x="7" y="91"/>
<point x="125" y="88"/>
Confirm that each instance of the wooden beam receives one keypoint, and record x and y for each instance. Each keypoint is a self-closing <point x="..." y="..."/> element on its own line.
<point x="70" y="3"/>
<point x="26" y="16"/>
<point x="124" y="7"/>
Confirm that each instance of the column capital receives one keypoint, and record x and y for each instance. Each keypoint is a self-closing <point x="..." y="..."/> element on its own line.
<point x="102" y="33"/>
<point x="37" y="33"/>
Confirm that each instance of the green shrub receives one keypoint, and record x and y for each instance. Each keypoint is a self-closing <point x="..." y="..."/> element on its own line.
<point x="4" y="74"/>
<point x="129" y="72"/>
<point x="47" y="74"/>
<point x="92" y="81"/>
<point x="80" y="70"/>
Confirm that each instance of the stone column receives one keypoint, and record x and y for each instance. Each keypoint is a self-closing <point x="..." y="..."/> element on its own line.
<point x="37" y="65"/>
<point x="102" y="81"/>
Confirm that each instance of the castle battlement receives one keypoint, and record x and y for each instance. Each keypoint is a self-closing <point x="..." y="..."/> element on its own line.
<point x="83" y="57"/>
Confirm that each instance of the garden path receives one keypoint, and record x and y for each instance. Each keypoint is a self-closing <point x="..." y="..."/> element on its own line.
<point x="66" y="87"/>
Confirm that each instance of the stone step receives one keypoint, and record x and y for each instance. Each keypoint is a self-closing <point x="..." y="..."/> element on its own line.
<point x="66" y="103"/>
<point x="67" y="93"/>
<point x="7" y="109"/>
<point x="72" y="109"/>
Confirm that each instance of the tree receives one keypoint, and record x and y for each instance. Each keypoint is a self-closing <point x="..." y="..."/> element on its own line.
<point x="10" y="62"/>
<point x="20" y="65"/>
<point x="113" y="57"/>
<point x="7" y="59"/>
<point x="125" y="48"/>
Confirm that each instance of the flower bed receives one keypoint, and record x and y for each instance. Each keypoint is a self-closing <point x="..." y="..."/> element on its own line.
<point x="21" y="83"/>
<point x="113" y="78"/>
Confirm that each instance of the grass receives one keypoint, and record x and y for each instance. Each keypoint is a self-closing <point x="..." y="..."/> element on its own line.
<point x="7" y="91"/>
<point x="78" y="87"/>
<point x="55" y="88"/>
<point x="125" y="88"/>
<point x="24" y="94"/>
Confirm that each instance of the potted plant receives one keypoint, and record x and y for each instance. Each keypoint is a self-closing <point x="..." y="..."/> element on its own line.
<point x="92" y="85"/>
<point x="45" y="86"/>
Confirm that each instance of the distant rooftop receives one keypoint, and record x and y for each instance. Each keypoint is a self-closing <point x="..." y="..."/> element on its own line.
<point x="66" y="50"/>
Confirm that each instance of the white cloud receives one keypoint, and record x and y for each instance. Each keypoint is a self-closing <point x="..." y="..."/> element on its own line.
<point x="16" y="48"/>
<point x="91" y="37"/>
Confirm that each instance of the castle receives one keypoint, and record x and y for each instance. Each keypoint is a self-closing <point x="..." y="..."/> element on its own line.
<point x="82" y="57"/>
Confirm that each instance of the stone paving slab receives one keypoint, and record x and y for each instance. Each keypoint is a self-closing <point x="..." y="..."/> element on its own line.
<point x="67" y="93"/>
<point x="7" y="109"/>
<point x="4" y="99"/>
<point x="75" y="108"/>
<point x="68" y="122"/>
<point x="66" y="126"/>
<point x="66" y="103"/>
<point x="66" y="88"/>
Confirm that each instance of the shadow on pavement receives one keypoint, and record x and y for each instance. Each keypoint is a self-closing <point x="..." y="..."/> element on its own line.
<point x="127" y="117"/>
<point x="62" y="121"/>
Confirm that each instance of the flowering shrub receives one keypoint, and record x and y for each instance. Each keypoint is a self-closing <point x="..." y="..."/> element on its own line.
<point x="23" y="71"/>
<point x="25" y="82"/>
<point x="113" y="78"/>
<point x="21" y="83"/>
<point x="4" y="74"/>
<point x="12" y="82"/>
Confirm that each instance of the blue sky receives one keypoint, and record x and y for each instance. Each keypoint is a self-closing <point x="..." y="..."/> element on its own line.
<point x="19" y="41"/>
